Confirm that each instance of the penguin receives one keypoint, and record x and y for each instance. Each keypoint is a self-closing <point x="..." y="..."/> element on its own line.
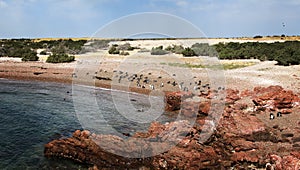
<point x="279" y="114"/>
<point x="272" y="116"/>
<point x="269" y="166"/>
<point x="151" y="86"/>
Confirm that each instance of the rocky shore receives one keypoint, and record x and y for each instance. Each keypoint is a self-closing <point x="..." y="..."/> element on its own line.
<point x="245" y="136"/>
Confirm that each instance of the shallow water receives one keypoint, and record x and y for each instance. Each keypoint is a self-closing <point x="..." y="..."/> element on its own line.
<point x="34" y="113"/>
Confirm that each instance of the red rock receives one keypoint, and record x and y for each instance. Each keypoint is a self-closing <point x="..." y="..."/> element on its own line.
<point x="246" y="93"/>
<point x="240" y="139"/>
<point x="173" y="99"/>
<point x="243" y="145"/>
<point x="249" y="156"/>
<point x="286" y="111"/>
<point x="77" y="134"/>
<point x="85" y="134"/>
<point x="277" y="160"/>
<point x="274" y="97"/>
<point x="240" y="106"/>
<point x="232" y="96"/>
<point x="204" y="108"/>
<point x="247" y="125"/>
<point x="155" y="129"/>
<point x="209" y="151"/>
<point x="296" y="154"/>
<point x="285" y="162"/>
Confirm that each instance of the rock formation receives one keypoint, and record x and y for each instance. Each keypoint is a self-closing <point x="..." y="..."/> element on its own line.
<point x="240" y="140"/>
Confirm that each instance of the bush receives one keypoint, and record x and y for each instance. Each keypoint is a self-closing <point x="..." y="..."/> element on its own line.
<point x="204" y="49"/>
<point x="188" y="52"/>
<point x="158" y="51"/>
<point x="177" y="49"/>
<point x="126" y="47"/>
<point x="44" y="52"/>
<point x="258" y="36"/>
<point x="285" y="53"/>
<point x="2" y="52"/>
<point x="60" y="58"/>
<point x="124" y="53"/>
<point x="30" y="56"/>
<point x="114" y="50"/>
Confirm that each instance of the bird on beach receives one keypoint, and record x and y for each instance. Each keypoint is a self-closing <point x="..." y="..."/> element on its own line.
<point x="181" y="85"/>
<point x="74" y="75"/>
<point x="198" y="83"/>
<point x="269" y="166"/>
<point x="174" y="83"/>
<point x="272" y="116"/>
<point x="151" y="86"/>
<point x="279" y="114"/>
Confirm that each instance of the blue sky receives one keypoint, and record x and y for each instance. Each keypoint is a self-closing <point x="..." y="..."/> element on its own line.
<point x="82" y="18"/>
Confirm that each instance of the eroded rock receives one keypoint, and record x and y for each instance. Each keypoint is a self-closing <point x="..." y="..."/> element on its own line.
<point x="238" y="140"/>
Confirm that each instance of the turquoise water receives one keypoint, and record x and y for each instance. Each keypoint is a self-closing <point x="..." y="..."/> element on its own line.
<point x="35" y="113"/>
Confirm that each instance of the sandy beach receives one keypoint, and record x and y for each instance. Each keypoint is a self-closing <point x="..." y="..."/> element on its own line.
<point x="104" y="70"/>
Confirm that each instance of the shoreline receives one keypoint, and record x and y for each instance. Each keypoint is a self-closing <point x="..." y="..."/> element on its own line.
<point x="247" y="78"/>
<point x="64" y="77"/>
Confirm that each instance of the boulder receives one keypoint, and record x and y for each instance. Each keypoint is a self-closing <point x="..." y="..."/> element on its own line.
<point x="291" y="161"/>
<point x="274" y="97"/>
<point x="247" y="156"/>
<point x="173" y="99"/>
<point x="84" y="148"/>
<point x="232" y="96"/>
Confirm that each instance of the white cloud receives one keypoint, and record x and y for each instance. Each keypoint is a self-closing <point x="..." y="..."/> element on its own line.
<point x="181" y="3"/>
<point x="3" y="4"/>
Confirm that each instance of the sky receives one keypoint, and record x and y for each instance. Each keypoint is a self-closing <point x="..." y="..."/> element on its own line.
<point x="84" y="18"/>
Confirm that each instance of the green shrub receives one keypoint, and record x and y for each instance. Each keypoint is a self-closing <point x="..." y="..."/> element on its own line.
<point x="30" y="56"/>
<point x="188" y="52"/>
<point x="177" y="49"/>
<point x="114" y="50"/>
<point x="124" y="53"/>
<point x="60" y="58"/>
<point x="285" y="53"/>
<point x="204" y="49"/>
<point x="126" y="47"/>
<point x="258" y="36"/>
<point x="44" y="52"/>
<point x="158" y="51"/>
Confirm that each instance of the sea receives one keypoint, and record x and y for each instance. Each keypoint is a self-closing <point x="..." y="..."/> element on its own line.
<point x="34" y="113"/>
